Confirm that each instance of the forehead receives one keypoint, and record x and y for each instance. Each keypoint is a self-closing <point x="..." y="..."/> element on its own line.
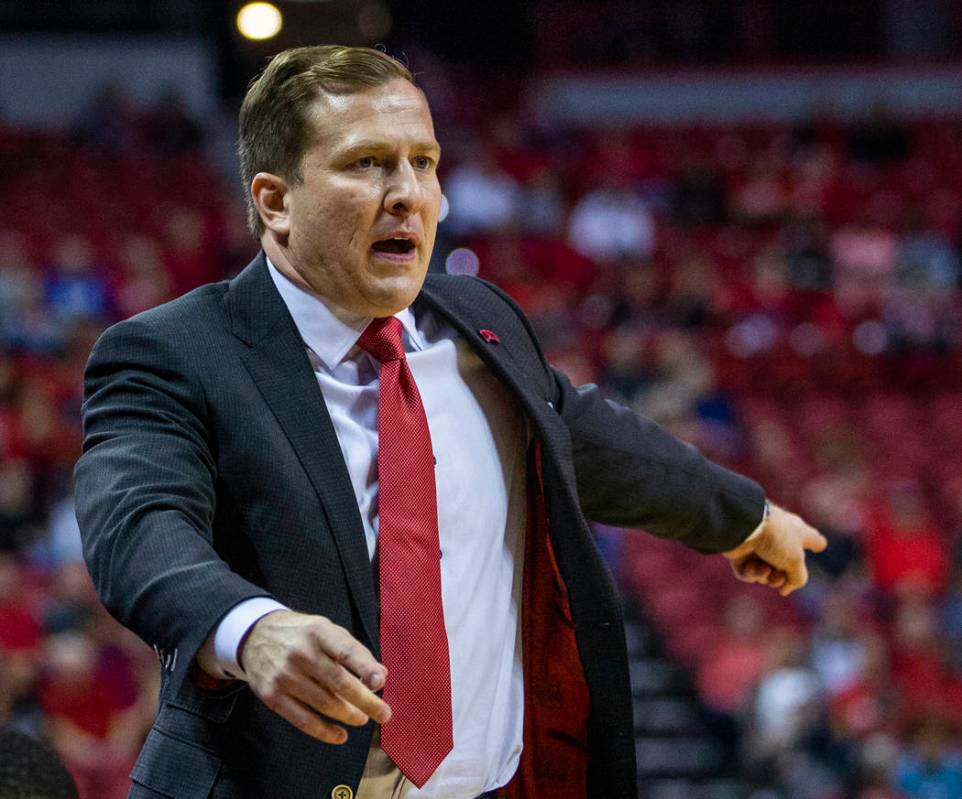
<point x="397" y="109"/>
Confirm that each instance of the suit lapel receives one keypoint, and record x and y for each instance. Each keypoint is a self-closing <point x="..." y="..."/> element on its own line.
<point x="277" y="361"/>
<point x="463" y="317"/>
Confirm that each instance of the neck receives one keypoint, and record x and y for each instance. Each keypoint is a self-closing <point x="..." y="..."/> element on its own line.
<point x="278" y="256"/>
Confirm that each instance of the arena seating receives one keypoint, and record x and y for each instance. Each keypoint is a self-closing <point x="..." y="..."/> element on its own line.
<point x="797" y="316"/>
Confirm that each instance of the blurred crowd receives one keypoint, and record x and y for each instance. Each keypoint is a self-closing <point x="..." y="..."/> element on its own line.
<point x="786" y="298"/>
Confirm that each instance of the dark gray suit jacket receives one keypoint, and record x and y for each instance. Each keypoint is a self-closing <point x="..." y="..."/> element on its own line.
<point x="211" y="473"/>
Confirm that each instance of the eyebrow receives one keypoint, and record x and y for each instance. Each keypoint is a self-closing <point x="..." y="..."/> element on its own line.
<point x="379" y="146"/>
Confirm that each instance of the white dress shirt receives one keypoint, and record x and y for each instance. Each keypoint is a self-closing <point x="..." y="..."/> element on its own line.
<point x="479" y="437"/>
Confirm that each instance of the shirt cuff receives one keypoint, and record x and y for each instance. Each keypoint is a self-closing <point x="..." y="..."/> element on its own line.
<point x="758" y="530"/>
<point x="235" y="626"/>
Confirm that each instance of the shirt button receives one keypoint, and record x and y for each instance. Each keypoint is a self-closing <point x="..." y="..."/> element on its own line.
<point x="342" y="792"/>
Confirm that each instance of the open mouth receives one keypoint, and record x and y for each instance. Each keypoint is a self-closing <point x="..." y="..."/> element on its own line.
<point x="394" y="246"/>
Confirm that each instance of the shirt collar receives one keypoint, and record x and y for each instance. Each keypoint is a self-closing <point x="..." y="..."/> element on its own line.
<point x="329" y="330"/>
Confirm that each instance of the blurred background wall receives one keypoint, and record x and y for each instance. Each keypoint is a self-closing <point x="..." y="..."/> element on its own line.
<point x="743" y="219"/>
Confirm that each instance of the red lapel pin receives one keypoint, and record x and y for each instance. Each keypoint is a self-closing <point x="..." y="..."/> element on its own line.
<point x="490" y="336"/>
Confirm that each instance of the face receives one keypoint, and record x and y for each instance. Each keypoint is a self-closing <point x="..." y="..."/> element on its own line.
<point x="360" y="227"/>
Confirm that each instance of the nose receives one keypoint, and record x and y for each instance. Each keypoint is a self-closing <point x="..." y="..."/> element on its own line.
<point x="403" y="194"/>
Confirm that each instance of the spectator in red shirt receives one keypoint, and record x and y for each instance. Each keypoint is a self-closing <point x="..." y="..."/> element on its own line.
<point x="905" y="548"/>
<point x="86" y="722"/>
<point x="20" y="632"/>
<point x="728" y="671"/>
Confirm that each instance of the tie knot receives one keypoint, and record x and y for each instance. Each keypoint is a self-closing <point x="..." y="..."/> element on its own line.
<point x="382" y="339"/>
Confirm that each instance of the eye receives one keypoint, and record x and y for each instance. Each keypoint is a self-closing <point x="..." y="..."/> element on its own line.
<point x="366" y="162"/>
<point x="422" y="162"/>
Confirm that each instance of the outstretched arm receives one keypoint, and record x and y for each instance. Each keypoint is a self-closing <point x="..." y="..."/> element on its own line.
<point x="632" y="473"/>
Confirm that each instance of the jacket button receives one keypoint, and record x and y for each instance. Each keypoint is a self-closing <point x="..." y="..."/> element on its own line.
<point x="342" y="792"/>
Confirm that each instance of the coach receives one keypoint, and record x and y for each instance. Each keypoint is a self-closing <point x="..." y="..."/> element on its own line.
<point x="347" y="503"/>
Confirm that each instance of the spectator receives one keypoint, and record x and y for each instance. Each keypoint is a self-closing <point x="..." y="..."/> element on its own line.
<point x="728" y="670"/>
<point x="542" y="206"/>
<point x="60" y="543"/>
<point x="31" y="770"/>
<point x="810" y="268"/>
<point x="699" y="196"/>
<point x="107" y="123"/>
<point x="169" y="127"/>
<point x="864" y="253"/>
<point x="17" y="283"/>
<point x="920" y="664"/>
<point x="39" y="433"/>
<point x="930" y="769"/>
<point x="919" y="308"/>
<point x="144" y="280"/>
<point x="21" y="515"/>
<point x="838" y="645"/>
<point x="868" y="703"/>
<point x="904" y="547"/>
<point x="70" y="600"/>
<point x="76" y="285"/>
<point x="611" y="223"/>
<point x="680" y="377"/>
<point x="691" y="300"/>
<point x="483" y="198"/>
<point x="191" y="247"/>
<point x="950" y="619"/>
<point x="20" y="631"/>
<point x="625" y="371"/>
<point x="925" y="259"/>
<point x="787" y="699"/>
<point x="763" y="198"/>
<point x="86" y="718"/>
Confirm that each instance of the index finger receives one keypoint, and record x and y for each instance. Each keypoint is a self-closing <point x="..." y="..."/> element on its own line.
<point x="340" y="682"/>
<point x="815" y="541"/>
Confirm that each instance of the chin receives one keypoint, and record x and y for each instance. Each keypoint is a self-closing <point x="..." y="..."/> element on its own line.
<point x="395" y="295"/>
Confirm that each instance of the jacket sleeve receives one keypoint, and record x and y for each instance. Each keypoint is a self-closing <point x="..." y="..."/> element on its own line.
<point x="146" y="498"/>
<point x="632" y="473"/>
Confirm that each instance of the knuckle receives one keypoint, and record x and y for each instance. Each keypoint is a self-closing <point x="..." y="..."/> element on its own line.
<point x="270" y="697"/>
<point x="340" y="681"/>
<point x="343" y="651"/>
<point x="296" y="657"/>
<point x="282" y="681"/>
<point x="315" y="629"/>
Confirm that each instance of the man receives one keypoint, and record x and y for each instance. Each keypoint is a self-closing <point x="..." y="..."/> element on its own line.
<point x="332" y="478"/>
<point x="31" y="770"/>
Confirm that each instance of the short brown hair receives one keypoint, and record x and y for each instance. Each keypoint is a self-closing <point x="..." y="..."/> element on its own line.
<point x="275" y="128"/>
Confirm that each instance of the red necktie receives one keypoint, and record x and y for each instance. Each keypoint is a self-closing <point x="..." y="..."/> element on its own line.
<point x="414" y="644"/>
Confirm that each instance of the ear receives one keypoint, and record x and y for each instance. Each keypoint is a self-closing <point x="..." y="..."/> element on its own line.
<point x="271" y="199"/>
